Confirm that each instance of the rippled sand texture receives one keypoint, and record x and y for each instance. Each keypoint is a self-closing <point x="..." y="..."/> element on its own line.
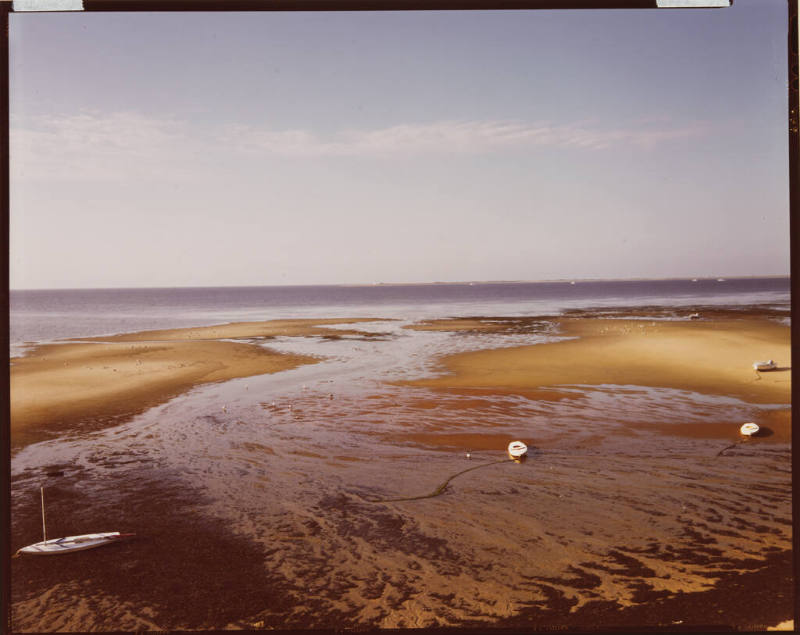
<point x="98" y="383"/>
<point x="253" y="502"/>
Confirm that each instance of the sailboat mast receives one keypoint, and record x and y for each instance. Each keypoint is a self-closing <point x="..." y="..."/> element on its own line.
<point x="44" y="530"/>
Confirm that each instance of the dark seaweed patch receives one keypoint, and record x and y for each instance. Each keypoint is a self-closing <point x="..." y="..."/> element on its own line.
<point x="752" y="600"/>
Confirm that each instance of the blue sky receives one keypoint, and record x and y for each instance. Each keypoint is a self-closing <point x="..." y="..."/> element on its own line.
<point x="323" y="148"/>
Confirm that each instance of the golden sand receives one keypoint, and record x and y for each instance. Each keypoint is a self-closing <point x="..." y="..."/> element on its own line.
<point x="56" y="384"/>
<point x="711" y="357"/>
<point x="245" y="330"/>
<point x="579" y="536"/>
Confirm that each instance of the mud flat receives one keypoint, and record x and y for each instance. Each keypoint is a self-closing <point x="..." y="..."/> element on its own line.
<point x="298" y="505"/>
<point x="104" y="379"/>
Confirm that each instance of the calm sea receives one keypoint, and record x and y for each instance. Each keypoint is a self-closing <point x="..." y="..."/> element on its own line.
<point x="40" y="315"/>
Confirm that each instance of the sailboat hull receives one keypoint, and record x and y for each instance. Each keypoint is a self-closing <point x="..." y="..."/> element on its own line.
<point x="517" y="450"/>
<point x="72" y="543"/>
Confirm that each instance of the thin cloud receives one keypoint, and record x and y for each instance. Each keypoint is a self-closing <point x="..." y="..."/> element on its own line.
<point x="126" y="145"/>
<point x="451" y="137"/>
<point x="90" y="145"/>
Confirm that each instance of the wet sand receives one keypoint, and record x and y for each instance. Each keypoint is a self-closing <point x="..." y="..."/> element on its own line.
<point x="246" y="330"/>
<point x="637" y="506"/>
<point x="713" y="357"/>
<point x="56" y="385"/>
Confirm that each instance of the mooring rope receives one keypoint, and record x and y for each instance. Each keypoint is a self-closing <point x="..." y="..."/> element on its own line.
<point x="731" y="446"/>
<point x="439" y="490"/>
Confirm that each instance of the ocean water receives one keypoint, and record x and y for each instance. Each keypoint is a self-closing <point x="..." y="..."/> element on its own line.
<point x="39" y="316"/>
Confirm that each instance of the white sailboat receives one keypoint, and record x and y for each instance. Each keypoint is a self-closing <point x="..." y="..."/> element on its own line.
<point x="517" y="450"/>
<point x="749" y="429"/>
<point x="765" y="365"/>
<point x="69" y="543"/>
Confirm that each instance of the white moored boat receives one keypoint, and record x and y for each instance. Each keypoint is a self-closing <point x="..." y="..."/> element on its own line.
<point x="517" y="449"/>
<point x="765" y="365"/>
<point x="70" y="543"/>
<point x="749" y="429"/>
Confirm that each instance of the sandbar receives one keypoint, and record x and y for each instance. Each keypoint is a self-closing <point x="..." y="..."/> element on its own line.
<point x="248" y="330"/>
<point x="706" y="356"/>
<point x="57" y="385"/>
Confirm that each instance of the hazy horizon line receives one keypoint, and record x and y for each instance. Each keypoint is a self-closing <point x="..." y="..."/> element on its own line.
<point x="409" y="284"/>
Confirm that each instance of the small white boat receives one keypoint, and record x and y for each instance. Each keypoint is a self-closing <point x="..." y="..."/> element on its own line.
<point x="765" y="365"/>
<point x="749" y="429"/>
<point x="70" y="543"/>
<point x="694" y="316"/>
<point x="73" y="543"/>
<point x="517" y="449"/>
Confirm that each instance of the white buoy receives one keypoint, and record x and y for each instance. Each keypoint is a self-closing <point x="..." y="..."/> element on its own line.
<point x="749" y="429"/>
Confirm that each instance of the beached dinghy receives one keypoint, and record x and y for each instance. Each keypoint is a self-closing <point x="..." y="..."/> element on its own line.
<point x="73" y="543"/>
<point x="70" y="543"/>
<point x="749" y="429"/>
<point x="766" y="365"/>
<point x="517" y="449"/>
